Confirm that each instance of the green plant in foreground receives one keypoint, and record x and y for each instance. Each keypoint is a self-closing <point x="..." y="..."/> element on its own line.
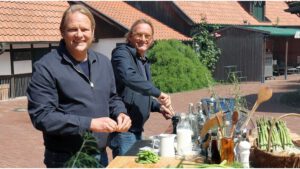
<point x="85" y="157"/>
<point x="147" y="157"/>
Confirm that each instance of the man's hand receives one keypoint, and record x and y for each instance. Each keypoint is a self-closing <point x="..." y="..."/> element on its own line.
<point x="124" y="122"/>
<point x="167" y="113"/>
<point x="103" y="124"/>
<point x="164" y="99"/>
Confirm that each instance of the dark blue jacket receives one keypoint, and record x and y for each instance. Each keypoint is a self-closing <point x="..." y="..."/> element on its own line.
<point x="62" y="100"/>
<point x="132" y="86"/>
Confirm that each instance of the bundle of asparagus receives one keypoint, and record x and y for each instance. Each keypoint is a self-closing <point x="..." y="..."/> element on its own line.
<point x="280" y="137"/>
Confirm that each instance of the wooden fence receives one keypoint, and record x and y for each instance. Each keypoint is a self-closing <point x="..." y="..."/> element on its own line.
<point x="12" y="86"/>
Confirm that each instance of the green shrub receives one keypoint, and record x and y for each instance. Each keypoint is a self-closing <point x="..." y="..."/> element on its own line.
<point x="175" y="67"/>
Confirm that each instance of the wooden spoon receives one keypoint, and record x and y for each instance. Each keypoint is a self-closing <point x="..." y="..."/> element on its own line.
<point x="212" y="122"/>
<point x="235" y="118"/>
<point x="264" y="94"/>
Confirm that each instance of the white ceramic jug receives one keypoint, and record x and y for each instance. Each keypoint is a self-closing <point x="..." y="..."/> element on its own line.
<point x="167" y="148"/>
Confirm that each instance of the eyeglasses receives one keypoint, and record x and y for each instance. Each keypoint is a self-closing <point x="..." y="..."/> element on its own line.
<point x="141" y="35"/>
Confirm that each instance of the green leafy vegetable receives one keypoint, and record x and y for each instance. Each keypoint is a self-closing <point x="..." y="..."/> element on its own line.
<point x="147" y="157"/>
<point x="85" y="157"/>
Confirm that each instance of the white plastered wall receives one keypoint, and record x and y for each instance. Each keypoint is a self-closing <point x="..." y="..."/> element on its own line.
<point x="5" y="68"/>
<point x="105" y="46"/>
<point x="24" y="66"/>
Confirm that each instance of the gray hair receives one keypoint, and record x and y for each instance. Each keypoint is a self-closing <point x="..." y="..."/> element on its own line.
<point x="140" y="21"/>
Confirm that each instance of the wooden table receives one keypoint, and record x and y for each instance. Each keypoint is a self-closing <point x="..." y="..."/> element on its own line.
<point x="128" y="160"/>
<point x="164" y="162"/>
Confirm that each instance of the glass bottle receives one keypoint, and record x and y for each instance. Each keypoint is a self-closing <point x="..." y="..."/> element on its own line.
<point x="206" y="146"/>
<point x="215" y="154"/>
<point x="212" y="105"/>
<point x="184" y="135"/>
<point x="211" y="109"/>
<point x="175" y="120"/>
<point x="227" y="129"/>
<point x="194" y="123"/>
<point x="201" y="116"/>
<point x="227" y="145"/>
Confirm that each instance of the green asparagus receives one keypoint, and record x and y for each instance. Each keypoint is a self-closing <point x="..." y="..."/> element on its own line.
<point x="280" y="137"/>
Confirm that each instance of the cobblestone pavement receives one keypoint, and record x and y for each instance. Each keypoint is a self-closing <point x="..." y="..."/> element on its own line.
<point x="22" y="146"/>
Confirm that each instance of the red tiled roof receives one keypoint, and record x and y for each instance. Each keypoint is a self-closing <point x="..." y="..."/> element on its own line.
<point x="232" y="13"/>
<point x="216" y="12"/>
<point x="39" y="20"/>
<point x="275" y="9"/>
<point x="22" y="21"/>
<point x="125" y="15"/>
<point x="31" y="21"/>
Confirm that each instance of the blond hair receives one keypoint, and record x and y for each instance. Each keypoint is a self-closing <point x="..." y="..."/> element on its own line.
<point x="77" y="8"/>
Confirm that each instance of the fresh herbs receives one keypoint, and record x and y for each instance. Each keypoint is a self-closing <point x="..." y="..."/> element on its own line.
<point x="147" y="157"/>
<point x="240" y="102"/>
<point x="86" y="156"/>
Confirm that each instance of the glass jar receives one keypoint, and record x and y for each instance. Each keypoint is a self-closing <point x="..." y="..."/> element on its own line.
<point x="227" y="149"/>
<point x="193" y="118"/>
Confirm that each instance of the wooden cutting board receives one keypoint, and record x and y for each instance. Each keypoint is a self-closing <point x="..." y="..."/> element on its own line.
<point x="129" y="162"/>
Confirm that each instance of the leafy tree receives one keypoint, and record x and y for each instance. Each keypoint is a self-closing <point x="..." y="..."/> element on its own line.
<point x="175" y="67"/>
<point x="204" y="44"/>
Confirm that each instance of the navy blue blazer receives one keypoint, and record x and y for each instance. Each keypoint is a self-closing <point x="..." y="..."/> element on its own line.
<point x="62" y="101"/>
<point x="136" y="92"/>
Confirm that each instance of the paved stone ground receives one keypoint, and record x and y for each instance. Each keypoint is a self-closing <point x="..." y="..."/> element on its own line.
<point x="22" y="146"/>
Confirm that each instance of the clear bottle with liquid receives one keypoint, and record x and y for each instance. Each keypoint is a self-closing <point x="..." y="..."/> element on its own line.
<point x="194" y="123"/>
<point x="184" y="135"/>
<point x="211" y="109"/>
<point x="201" y="116"/>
